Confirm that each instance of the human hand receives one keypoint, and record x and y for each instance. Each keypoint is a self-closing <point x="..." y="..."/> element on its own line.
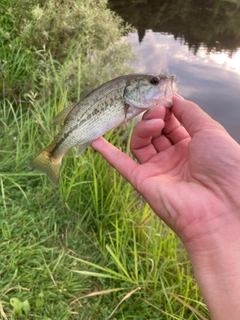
<point x="190" y="176"/>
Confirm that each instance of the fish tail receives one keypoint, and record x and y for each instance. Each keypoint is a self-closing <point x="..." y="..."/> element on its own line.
<point x="48" y="164"/>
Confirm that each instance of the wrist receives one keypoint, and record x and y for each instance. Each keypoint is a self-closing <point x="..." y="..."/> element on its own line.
<point x="219" y="282"/>
<point x="216" y="262"/>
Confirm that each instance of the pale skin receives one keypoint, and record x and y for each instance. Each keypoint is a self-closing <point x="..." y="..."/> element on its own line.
<point x="190" y="176"/>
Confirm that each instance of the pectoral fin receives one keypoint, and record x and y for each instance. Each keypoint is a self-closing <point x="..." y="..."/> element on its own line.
<point x="127" y="109"/>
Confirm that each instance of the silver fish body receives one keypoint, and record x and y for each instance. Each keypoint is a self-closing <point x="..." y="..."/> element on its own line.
<point x="105" y="108"/>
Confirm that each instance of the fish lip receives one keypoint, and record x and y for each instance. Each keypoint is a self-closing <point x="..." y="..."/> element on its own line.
<point x="166" y="93"/>
<point x="167" y="100"/>
<point x="167" y="104"/>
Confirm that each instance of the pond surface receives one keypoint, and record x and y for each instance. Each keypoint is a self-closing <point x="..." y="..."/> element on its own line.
<point x="196" y="41"/>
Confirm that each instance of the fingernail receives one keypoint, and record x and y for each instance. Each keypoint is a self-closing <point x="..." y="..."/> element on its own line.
<point x="178" y="95"/>
<point x="151" y="121"/>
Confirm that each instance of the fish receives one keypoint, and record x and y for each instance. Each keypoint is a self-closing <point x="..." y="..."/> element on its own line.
<point x="105" y="108"/>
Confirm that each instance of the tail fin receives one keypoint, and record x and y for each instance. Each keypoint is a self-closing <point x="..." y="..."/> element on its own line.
<point x="47" y="164"/>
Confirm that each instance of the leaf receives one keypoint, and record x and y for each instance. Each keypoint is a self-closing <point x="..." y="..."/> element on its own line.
<point x="17" y="305"/>
<point x="26" y="306"/>
<point x="128" y="295"/>
<point x="39" y="301"/>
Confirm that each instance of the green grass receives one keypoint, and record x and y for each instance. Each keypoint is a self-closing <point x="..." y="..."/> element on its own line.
<point x="91" y="249"/>
<point x="93" y="246"/>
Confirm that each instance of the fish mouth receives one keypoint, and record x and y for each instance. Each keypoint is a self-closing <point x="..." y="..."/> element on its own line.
<point x="166" y="93"/>
<point x="166" y="103"/>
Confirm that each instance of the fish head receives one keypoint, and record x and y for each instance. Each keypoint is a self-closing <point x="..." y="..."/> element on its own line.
<point x="147" y="91"/>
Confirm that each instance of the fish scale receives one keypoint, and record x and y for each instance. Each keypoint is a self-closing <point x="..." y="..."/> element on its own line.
<point x="105" y="108"/>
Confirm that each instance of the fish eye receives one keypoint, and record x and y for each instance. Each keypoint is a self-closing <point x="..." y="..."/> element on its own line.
<point x="154" y="80"/>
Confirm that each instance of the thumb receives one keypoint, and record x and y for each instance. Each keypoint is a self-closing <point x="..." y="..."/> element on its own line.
<point x="192" y="117"/>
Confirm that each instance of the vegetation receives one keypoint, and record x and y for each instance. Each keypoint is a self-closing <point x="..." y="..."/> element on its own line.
<point x="91" y="249"/>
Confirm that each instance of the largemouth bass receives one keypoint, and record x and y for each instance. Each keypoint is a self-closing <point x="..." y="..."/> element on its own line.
<point x="105" y="108"/>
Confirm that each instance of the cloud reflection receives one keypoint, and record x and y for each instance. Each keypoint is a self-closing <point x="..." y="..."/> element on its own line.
<point x="210" y="79"/>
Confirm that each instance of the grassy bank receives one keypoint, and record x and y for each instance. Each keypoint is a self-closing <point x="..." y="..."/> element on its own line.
<point x="91" y="249"/>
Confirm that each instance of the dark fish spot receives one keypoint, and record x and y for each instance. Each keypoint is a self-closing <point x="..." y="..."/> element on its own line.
<point x="95" y="111"/>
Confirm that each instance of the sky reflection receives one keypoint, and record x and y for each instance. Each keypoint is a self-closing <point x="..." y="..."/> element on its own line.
<point x="212" y="80"/>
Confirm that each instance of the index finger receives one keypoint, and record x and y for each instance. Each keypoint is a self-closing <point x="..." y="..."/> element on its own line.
<point x="117" y="159"/>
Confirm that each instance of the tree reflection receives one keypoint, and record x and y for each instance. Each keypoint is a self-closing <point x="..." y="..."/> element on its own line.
<point x="212" y="23"/>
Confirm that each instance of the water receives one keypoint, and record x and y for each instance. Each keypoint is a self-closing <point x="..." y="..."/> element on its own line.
<point x="196" y="41"/>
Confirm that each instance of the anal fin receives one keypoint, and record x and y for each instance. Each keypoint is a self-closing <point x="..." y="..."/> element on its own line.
<point x="81" y="149"/>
